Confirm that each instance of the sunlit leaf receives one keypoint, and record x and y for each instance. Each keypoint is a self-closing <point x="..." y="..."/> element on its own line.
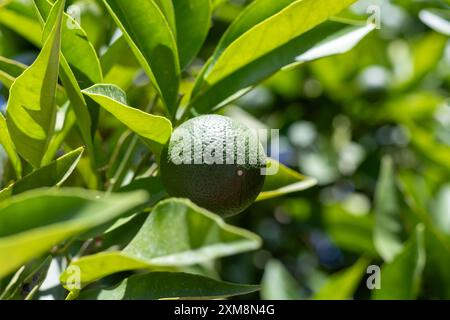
<point x="13" y="16"/>
<point x="10" y="70"/>
<point x="75" y="46"/>
<point x="86" y="113"/>
<point x="119" y="64"/>
<point x="177" y="233"/>
<point x="249" y="59"/>
<point x="53" y="174"/>
<point x="31" y="111"/>
<point x="165" y="285"/>
<point x="401" y="278"/>
<point x="285" y="181"/>
<point x="8" y="145"/>
<point x="167" y="8"/>
<point x="149" y="35"/>
<point x="342" y="285"/>
<point x="33" y="222"/>
<point x="155" y="130"/>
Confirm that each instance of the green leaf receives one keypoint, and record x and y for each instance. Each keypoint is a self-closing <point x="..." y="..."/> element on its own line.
<point x="249" y="59"/>
<point x="149" y="36"/>
<point x="177" y="233"/>
<point x="351" y="232"/>
<point x="119" y="64"/>
<point x="193" y="19"/>
<point x="8" y="145"/>
<point x="278" y="284"/>
<point x="168" y="285"/>
<point x="61" y="134"/>
<point x="167" y="8"/>
<point x="441" y="209"/>
<point x="53" y="174"/>
<point x="437" y="269"/>
<point x="426" y="55"/>
<point x="155" y="130"/>
<point x="388" y="226"/>
<point x="31" y="110"/>
<point x="276" y="31"/>
<point x="285" y="181"/>
<point x="438" y="20"/>
<point x="342" y="285"/>
<point x="26" y="276"/>
<point x="427" y="145"/>
<point x="401" y="278"/>
<point x="33" y="222"/>
<point x="253" y="14"/>
<point x="26" y="25"/>
<point x="10" y="70"/>
<point x="86" y="114"/>
<point x="75" y="46"/>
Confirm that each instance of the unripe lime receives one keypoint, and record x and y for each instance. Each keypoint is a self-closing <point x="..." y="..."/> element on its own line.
<point x="216" y="162"/>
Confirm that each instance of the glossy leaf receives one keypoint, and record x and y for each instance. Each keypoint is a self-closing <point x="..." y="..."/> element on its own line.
<point x="280" y="29"/>
<point x="401" y="278"/>
<point x="249" y="59"/>
<point x="342" y="285"/>
<point x="11" y="69"/>
<point x="168" y="285"/>
<point x="30" y="29"/>
<point x="285" y="181"/>
<point x="388" y="227"/>
<point x="149" y="36"/>
<point x="193" y="19"/>
<point x="167" y="8"/>
<point x="8" y="145"/>
<point x="278" y="284"/>
<point x="155" y="130"/>
<point x="75" y="46"/>
<point x="33" y="222"/>
<point x="310" y="45"/>
<point x="86" y="114"/>
<point x="255" y="13"/>
<point x="51" y="175"/>
<point x="177" y="233"/>
<point x="31" y="110"/>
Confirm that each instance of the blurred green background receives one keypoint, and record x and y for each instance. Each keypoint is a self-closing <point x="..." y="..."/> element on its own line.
<point x="372" y="126"/>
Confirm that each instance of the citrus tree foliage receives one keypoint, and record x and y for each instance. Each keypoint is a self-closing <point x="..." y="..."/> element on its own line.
<point x="93" y="89"/>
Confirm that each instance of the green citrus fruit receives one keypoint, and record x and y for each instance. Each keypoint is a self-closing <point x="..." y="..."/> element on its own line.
<point x="216" y="162"/>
